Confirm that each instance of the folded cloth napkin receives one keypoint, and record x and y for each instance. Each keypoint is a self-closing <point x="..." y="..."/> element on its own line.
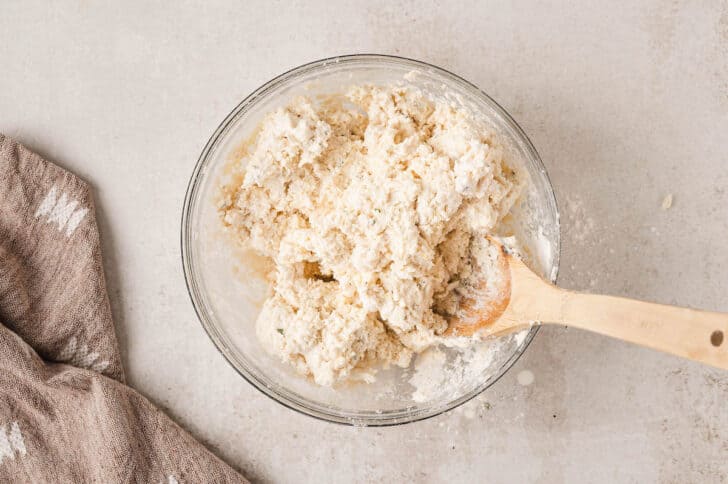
<point x="65" y="413"/>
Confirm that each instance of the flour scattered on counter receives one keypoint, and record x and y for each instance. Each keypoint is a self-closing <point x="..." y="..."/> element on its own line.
<point x="579" y="226"/>
<point x="525" y="377"/>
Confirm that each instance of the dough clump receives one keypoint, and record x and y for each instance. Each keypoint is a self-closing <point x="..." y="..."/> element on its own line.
<point x="368" y="204"/>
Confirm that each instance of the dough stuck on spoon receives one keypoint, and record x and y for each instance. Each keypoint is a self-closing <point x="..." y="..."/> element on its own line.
<point x="486" y="292"/>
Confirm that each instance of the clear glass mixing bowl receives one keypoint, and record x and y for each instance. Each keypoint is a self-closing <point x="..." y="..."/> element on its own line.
<point x="227" y="287"/>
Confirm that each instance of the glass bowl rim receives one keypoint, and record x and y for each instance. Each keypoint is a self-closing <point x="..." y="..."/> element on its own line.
<point x="315" y="410"/>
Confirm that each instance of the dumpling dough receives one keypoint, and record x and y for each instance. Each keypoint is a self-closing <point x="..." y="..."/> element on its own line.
<point x="367" y="203"/>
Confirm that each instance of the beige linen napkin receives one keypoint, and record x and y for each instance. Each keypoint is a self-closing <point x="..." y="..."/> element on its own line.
<point x="65" y="413"/>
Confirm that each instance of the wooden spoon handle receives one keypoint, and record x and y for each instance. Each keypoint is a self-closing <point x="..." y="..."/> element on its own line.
<point x="698" y="335"/>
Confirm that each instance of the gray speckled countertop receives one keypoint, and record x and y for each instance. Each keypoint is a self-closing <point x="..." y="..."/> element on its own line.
<point x="626" y="102"/>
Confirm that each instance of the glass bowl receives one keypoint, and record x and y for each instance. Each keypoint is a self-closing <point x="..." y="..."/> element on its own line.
<point x="227" y="287"/>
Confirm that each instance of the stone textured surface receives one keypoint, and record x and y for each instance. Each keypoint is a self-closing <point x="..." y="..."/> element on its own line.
<point x="626" y="102"/>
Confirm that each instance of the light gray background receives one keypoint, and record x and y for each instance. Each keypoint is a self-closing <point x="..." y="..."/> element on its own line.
<point x="626" y="102"/>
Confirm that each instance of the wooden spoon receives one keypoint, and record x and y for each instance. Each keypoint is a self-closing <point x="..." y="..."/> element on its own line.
<point x="524" y="299"/>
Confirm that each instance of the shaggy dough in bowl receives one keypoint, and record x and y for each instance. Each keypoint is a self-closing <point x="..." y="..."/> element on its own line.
<point x="372" y="206"/>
